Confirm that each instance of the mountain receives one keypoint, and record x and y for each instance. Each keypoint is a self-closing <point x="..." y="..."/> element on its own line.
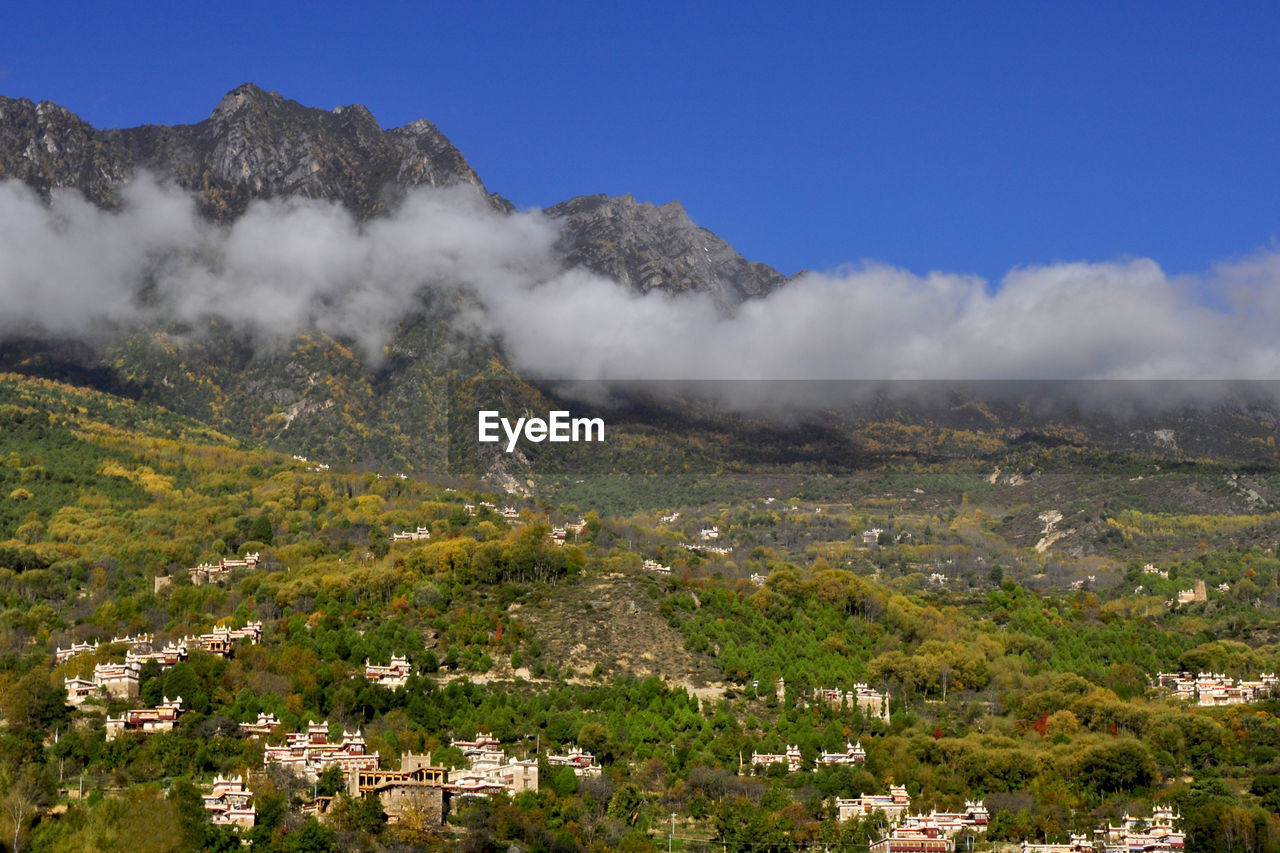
<point x="317" y="394"/>
<point x="651" y="247"/>
<point x="258" y="145"/>
<point x="321" y="395"/>
<point x="255" y="144"/>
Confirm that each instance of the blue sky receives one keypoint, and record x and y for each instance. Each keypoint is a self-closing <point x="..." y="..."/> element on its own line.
<point x="965" y="137"/>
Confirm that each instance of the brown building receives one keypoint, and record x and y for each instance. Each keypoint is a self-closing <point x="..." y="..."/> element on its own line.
<point x="416" y="785"/>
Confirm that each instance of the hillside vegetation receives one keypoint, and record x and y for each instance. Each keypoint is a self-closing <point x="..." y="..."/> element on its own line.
<point x="1016" y="673"/>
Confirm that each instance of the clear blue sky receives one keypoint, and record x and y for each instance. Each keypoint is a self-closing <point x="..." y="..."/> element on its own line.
<point x="962" y="136"/>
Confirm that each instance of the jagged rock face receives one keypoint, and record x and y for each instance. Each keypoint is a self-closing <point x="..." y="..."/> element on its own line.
<point x="256" y="144"/>
<point x="656" y="248"/>
<point x="259" y="144"/>
<point x="47" y="147"/>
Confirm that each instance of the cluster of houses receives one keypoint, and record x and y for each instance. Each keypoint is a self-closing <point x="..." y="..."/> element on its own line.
<point x="1211" y="689"/>
<point x="120" y="680"/>
<point x="135" y="642"/>
<point x="206" y="572"/>
<point x="489" y="770"/>
<point x="222" y="641"/>
<point x="421" y="534"/>
<point x="317" y="467"/>
<point x="417" y="783"/>
<point x="655" y="566"/>
<point x="116" y="680"/>
<point x="853" y="754"/>
<point x="719" y="550"/>
<point x="471" y="508"/>
<point x="1154" y="834"/>
<point x="867" y="699"/>
<point x="934" y="832"/>
<point x="560" y="534"/>
<point x="309" y="753"/>
<point x="229" y="803"/>
<point x="577" y="759"/>
<point x="146" y="720"/>
<point x="395" y="675"/>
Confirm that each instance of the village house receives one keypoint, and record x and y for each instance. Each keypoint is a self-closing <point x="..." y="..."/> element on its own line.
<point x="395" y="676"/>
<point x="974" y="818"/>
<point x="1155" y="834"/>
<point x="871" y="702"/>
<point x="221" y="641"/>
<point x="655" y="566"/>
<point x="117" y="679"/>
<point x="757" y="579"/>
<point x="893" y="805"/>
<point x="206" y="572"/>
<point x="792" y="758"/>
<point x="489" y="771"/>
<point x="1077" y="844"/>
<point x="667" y="519"/>
<point x="511" y="777"/>
<point x="557" y="535"/>
<point x="146" y="720"/>
<point x="79" y="689"/>
<point x="262" y="727"/>
<point x="583" y="763"/>
<point x="63" y="655"/>
<point x="871" y="537"/>
<point x="719" y="550"/>
<point x="309" y="753"/>
<point x="913" y="840"/>
<point x="485" y="749"/>
<point x="708" y="533"/>
<point x="1190" y="596"/>
<point x="417" y="785"/>
<point x="853" y="754"/>
<point x="170" y="655"/>
<point x="1214" y="689"/>
<point x="1150" y="569"/>
<point x="422" y="534"/>
<point x="229" y="803"/>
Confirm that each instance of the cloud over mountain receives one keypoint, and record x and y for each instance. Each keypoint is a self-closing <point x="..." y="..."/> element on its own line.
<point x="70" y="268"/>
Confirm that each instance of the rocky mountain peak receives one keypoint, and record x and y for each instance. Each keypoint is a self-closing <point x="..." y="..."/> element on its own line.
<point x="257" y="144"/>
<point x="244" y="96"/>
<point x="656" y="247"/>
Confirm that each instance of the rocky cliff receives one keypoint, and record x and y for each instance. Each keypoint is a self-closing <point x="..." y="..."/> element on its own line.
<point x="259" y="144"/>
<point x="656" y="248"/>
<point x="317" y="395"/>
<point x="255" y="144"/>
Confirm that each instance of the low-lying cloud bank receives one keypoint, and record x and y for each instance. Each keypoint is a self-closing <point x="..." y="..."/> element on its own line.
<point x="69" y="268"/>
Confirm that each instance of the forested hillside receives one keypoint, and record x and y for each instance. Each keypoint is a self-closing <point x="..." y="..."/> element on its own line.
<point x="1017" y="672"/>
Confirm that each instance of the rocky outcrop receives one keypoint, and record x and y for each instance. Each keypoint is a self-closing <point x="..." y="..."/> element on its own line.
<point x="255" y="144"/>
<point x="656" y="248"/>
<point x="48" y="147"/>
<point x="259" y="144"/>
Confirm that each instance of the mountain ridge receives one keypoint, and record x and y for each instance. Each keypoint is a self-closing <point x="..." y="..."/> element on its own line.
<point x="257" y="144"/>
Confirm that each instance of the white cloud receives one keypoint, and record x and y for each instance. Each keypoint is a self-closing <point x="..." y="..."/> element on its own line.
<point x="68" y="267"/>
